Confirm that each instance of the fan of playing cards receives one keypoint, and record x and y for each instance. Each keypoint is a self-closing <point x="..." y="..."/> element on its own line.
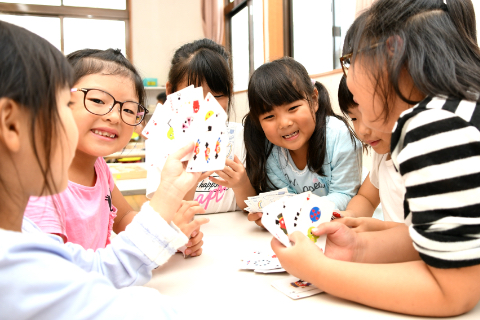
<point x="187" y="117"/>
<point x="257" y="203"/>
<point x="302" y="212"/>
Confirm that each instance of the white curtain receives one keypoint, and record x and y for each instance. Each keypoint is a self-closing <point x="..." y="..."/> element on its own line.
<point x="213" y="20"/>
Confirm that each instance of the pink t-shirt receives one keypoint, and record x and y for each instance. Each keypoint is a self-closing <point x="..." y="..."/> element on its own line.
<point x="83" y="215"/>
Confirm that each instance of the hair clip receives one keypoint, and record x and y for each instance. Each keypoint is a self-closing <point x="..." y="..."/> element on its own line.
<point x="444" y="6"/>
<point x="313" y="82"/>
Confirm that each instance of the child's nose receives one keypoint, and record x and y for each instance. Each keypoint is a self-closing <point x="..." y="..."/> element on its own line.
<point x="285" y="122"/>
<point x="363" y="130"/>
<point x="114" y="115"/>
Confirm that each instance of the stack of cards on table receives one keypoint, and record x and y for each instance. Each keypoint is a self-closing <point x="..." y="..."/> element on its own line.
<point x="295" y="288"/>
<point x="261" y="261"/>
<point x="302" y="212"/>
<point x="187" y="117"/>
<point x="257" y="203"/>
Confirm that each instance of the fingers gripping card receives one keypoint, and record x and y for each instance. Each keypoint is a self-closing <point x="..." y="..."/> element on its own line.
<point x="314" y="212"/>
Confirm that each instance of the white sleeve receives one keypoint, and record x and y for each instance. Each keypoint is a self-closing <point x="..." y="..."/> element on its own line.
<point x="147" y="242"/>
<point x="46" y="284"/>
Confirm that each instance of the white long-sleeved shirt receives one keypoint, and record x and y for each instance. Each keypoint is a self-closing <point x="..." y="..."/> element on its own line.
<point x="43" y="278"/>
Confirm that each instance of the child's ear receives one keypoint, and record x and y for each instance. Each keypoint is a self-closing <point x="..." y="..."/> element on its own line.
<point x="11" y="121"/>
<point x="315" y="99"/>
<point x="168" y="88"/>
<point x="394" y="43"/>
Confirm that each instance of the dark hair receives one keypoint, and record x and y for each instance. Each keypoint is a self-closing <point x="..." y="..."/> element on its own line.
<point x="32" y="71"/>
<point x="346" y="102"/>
<point x="110" y="61"/>
<point x="434" y="42"/>
<point x="345" y="97"/>
<point x="162" y="96"/>
<point x="203" y="61"/>
<point x="274" y="84"/>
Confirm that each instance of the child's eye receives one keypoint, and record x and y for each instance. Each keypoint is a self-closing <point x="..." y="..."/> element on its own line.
<point x="218" y="96"/>
<point x="293" y="108"/>
<point x="97" y="101"/>
<point x="268" y="117"/>
<point x="353" y="119"/>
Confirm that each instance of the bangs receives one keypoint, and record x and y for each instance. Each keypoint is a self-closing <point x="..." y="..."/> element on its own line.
<point x="208" y="66"/>
<point x="273" y="85"/>
<point x="89" y="66"/>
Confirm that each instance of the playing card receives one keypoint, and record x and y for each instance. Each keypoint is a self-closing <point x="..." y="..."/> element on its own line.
<point x="315" y="210"/>
<point x="293" y="207"/>
<point x="272" y="220"/>
<point x="210" y="152"/>
<point x="260" y="259"/>
<point x="159" y="113"/>
<point x="295" y="288"/>
<point x="261" y="270"/>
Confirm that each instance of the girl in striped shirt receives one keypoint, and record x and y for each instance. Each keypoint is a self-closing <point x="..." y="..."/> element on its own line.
<point x="414" y="71"/>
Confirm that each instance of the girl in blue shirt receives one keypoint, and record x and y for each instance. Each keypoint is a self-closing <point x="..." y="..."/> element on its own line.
<point x="294" y="139"/>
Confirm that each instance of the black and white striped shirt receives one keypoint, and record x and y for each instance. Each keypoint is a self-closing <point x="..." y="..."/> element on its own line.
<point x="436" y="148"/>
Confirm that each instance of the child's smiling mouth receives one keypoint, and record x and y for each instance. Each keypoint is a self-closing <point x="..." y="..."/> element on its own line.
<point x="104" y="133"/>
<point x="291" y="135"/>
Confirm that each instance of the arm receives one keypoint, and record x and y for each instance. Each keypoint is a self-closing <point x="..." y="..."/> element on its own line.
<point x="346" y="165"/>
<point x="365" y="224"/>
<point x="64" y="290"/>
<point x="411" y="287"/>
<point x="365" y="202"/>
<point x="191" y="193"/>
<point x="125" y="212"/>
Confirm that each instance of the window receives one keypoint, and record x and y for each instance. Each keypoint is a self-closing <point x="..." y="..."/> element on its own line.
<point x="244" y="39"/>
<point x="71" y="25"/>
<point x="319" y="28"/>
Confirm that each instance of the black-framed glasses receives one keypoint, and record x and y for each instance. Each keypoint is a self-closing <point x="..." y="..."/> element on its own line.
<point x="345" y="59"/>
<point x="100" y="103"/>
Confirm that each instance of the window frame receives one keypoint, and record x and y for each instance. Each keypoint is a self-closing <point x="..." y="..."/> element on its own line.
<point x="63" y="11"/>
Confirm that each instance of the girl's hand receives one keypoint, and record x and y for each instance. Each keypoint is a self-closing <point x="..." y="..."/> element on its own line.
<point x="234" y="174"/>
<point x="362" y="224"/>
<point x="194" y="246"/>
<point x="300" y="260"/>
<point x="174" y="175"/>
<point x="184" y="220"/>
<point x="257" y="217"/>
<point x="342" y="242"/>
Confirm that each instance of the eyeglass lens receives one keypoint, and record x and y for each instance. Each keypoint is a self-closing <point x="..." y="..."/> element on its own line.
<point x="100" y="103"/>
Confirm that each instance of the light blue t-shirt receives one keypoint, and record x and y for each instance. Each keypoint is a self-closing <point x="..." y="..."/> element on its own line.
<point x="342" y="168"/>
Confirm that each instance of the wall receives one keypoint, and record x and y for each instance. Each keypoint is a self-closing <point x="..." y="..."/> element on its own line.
<point x="158" y="28"/>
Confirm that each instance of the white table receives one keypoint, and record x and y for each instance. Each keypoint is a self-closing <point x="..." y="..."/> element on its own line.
<point x="212" y="287"/>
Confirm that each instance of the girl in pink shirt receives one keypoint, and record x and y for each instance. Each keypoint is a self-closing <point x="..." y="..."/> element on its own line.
<point x="107" y="103"/>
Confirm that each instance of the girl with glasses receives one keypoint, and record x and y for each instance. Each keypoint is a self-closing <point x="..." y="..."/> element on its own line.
<point x="421" y="83"/>
<point x="44" y="277"/>
<point x="107" y="103"/>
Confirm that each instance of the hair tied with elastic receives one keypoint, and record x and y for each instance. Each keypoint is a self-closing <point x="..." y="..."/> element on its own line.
<point x="313" y="82"/>
<point x="117" y="51"/>
<point x="443" y="6"/>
